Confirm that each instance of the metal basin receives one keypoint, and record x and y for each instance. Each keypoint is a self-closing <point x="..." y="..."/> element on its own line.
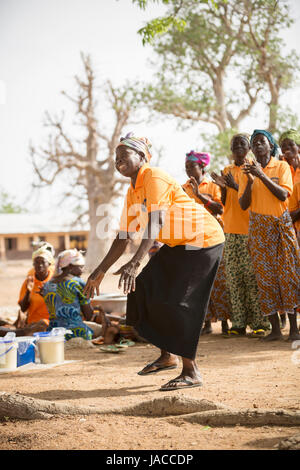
<point x="111" y="302"/>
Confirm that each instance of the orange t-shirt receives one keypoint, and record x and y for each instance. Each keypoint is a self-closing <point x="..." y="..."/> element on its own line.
<point x="37" y="309"/>
<point x="262" y="200"/>
<point x="294" y="203"/>
<point x="186" y="223"/>
<point x="235" y="219"/>
<point x="295" y="174"/>
<point x="207" y="188"/>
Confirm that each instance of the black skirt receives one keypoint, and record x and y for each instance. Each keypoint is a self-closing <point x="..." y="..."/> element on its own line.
<point x="169" y="304"/>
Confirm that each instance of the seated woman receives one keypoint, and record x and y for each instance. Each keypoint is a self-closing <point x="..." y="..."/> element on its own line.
<point x="31" y="303"/>
<point x="115" y="334"/>
<point x="64" y="296"/>
<point x="33" y="315"/>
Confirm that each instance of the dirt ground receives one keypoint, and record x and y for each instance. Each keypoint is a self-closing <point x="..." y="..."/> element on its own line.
<point x="239" y="372"/>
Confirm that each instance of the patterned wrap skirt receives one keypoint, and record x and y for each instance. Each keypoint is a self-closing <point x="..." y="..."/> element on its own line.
<point x="276" y="259"/>
<point x="172" y="293"/>
<point x="219" y="307"/>
<point x="242" y="285"/>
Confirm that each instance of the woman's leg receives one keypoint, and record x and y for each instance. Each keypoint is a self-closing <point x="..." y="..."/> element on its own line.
<point x="165" y="361"/>
<point x="234" y="262"/>
<point x="276" y="332"/>
<point x="294" y="333"/>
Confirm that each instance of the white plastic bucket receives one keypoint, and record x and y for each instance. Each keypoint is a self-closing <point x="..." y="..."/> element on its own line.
<point x="51" y="348"/>
<point x="8" y="354"/>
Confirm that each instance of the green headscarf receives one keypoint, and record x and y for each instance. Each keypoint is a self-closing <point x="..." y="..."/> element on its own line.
<point x="291" y="134"/>
<point x="270" y="138"/>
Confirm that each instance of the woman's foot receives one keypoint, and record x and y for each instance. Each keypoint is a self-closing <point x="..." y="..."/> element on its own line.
<point x="295" y="336"/>
<point x="166" y="361"/>
<point x="189" y="377"/>
<point x="207" y="329"/>
<point x="235" y="332"/>
<point x="182" y="381"/>
<point x="294" y="333"/>
<point x="273" y="336"/>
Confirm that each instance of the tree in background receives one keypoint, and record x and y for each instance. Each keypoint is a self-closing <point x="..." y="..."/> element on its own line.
<point x="7" y="204"/>
<point x="85" y="164"/>
<point x="225" y="58"/>
<point x="275" y="69"/>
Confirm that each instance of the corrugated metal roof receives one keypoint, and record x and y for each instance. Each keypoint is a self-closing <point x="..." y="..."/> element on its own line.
<point x="39" y="223"/>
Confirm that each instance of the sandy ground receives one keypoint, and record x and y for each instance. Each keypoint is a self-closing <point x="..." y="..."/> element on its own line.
<point x="238" y="372"/>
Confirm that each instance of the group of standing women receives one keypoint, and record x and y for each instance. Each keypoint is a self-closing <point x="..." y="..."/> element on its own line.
<point x="249" y="201"/>
<point x="261" y="257"/>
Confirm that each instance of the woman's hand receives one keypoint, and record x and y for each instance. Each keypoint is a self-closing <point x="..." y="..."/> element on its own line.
<point x="247" y="170"/>
<point x="192" y="181"/>
<point x="253" y="169"/>
<point x="218" y="179"/>
<point x="93" y="283"/>
<point x="30" y="283"/>
<point x="128" y="275"/>
<point x="230" y="181"/>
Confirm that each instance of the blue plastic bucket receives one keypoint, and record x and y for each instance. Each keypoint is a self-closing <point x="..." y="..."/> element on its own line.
<point x="26" y="350"/>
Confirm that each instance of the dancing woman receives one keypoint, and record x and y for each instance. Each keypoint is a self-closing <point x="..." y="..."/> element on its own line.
<point x="167" y="301"/>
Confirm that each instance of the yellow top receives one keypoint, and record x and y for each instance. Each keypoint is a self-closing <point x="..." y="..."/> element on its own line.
<point x="37" y="309"/>
<point x="186" y="223"/>
<point x="294" y="203"/>
<point x="262" y="200"/>
<point x="295" y="174"/>
<point x="235" y="219"/>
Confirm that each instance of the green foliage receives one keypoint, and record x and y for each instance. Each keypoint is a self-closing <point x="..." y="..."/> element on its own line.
<point x="8" y="206"/>
<point x="161" y="25"/>
<point x="144" y="3"/>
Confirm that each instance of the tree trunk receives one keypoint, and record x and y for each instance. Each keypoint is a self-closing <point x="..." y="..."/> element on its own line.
<point x="102" y="232"/>
<point x="218" y="85"/>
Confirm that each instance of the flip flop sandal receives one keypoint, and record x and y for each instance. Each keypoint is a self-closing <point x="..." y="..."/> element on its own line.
<point x="189" y="384"/>
<point x="234" y="333"/>
<point x="126" y="342"/>
<point x="98" y="341"/>
<point x="158" y="369"/>
<point x="121" y="346"/>
<point x="110" y="348"/>
<point x="257" y="333"/>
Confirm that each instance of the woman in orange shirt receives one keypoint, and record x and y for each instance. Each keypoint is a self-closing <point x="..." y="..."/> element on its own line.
<point x="167" y="301"/>
<point x="264" y="188"/>
<point x="30" y="300"/>
<point x="239" y="268"/>
<point x="289" y="143"/>
<point x="208" y="193"/>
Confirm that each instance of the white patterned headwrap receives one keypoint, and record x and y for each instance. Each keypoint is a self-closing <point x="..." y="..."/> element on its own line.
<point x="67" y="257"/>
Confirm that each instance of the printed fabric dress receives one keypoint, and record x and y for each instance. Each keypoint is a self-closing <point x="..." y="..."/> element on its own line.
<point x="64" y="300"/>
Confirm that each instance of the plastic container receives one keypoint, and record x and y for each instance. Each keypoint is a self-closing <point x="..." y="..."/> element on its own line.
<point x="8" y="352"/>
<point x="51" y="346"/>
<point x="26" y="350"/>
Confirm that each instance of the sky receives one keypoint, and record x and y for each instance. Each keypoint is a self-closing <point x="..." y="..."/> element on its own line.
<point x="40" y="45"/>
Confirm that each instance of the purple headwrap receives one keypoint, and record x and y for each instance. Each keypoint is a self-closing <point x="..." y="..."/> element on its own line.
<point x="199" y="157"/>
